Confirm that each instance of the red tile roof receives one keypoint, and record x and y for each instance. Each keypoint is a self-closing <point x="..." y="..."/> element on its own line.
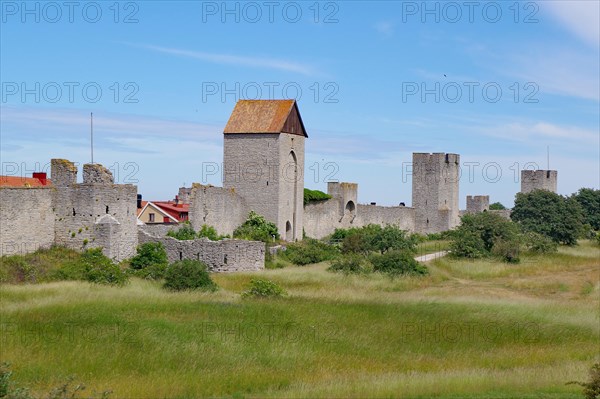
<point x="265" y="116"/>
<point x="18" y="181"/>
<point x="172" y="209"/>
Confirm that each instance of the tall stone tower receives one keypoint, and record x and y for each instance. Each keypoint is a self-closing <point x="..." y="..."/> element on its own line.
<point x="435" y="191"/>
<point x="264" y="161"/>
<point x="538" y="180"/>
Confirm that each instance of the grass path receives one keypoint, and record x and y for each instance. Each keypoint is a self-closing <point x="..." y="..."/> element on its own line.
<point x="430" y="257"/>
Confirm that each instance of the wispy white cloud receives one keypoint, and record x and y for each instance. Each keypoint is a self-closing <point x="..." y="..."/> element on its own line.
<point x="236" y="60"/>
<point x="581" y="17"/>
<point x="75" y="123"/>
<point x="540" y="133"/>
<point x="165" y="153"/>
<point x="559" y="71"/>
<point x="385" y="28"/>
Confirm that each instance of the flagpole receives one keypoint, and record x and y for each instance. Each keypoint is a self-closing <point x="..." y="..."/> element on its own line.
<point x="92" y="134"/>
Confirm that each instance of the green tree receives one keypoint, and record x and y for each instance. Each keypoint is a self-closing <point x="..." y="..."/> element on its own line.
<point x="100" y="269"/>
<point x="550" y="214"/>
<point x="589" y="199"/>
<point x="396" y="263"/>
<point x="257" y="228"/>
<point x="393" y="238"/>
<point x="360" y="240"/>
<point x="150" y="262"/>
<point x="188" y="275"/>
<point x="478" y="234"/>
<point x="209" y="232"/>
<point x="185" y="232"/>
<point x="497" y="206"/>
<point x="309" y="251"/>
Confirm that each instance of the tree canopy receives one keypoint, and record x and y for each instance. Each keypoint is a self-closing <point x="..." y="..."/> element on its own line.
<point x="550" y="214"/>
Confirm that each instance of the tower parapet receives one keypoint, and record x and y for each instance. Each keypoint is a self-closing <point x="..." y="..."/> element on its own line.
<point x="478" y="203"/>
<point x="538" y="180"/>
<point x="63" y="172"/>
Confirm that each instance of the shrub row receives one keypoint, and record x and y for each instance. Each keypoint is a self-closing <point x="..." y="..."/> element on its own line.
<point x="392" y="263"/>
<point x="187" y="232"/>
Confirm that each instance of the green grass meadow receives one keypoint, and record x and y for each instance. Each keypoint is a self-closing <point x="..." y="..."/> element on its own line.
<point x="480" y="329"/>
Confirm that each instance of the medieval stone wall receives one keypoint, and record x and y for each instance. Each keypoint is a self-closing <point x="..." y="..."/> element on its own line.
<point x="321" y="218"/>
<point x="71" y="214"/>
<point x="218" y="207"/>
<point x="26" y="219"/>
<point x="220" y="256"/>
<point x="79" y="208"/>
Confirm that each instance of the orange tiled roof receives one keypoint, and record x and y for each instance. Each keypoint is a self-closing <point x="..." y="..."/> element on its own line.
<point x="261" y="116"/>
<point x="18" y="181"/>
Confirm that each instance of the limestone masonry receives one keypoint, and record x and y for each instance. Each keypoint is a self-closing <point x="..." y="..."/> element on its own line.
<point x="538" y="180"/>
<point x="263" y="171"/>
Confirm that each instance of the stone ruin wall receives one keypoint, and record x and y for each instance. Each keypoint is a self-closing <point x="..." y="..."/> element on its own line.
<point x="221" y="256"/>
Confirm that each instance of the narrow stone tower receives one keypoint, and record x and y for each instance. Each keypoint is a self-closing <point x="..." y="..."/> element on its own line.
<point x="264" y="161"/>
<point x="435" y="191"/>
<point x="538" y="180"/>
<point x="478" y="203"/>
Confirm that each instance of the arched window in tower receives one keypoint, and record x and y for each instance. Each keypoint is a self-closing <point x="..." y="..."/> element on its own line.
<point x="289" y="234"/>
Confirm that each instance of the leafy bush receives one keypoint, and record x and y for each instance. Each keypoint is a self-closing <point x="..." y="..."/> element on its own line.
<point x="150" y="262"/>
<point x="260" y="288"/>
<point x="508" y="250"/>
<point x="348" y="264"/>
<point x="256" y="228"/>
<point x="373" y="237"/>
<point x="314" y="195"/>
<point x="188" y="275"/>
<point x="94" y="267"/>
<point x="591" y="389"/>
<point x="100" y="269"/>
<point x="467" y="244"/>
<point x="357" y="242"/>
<point x="497" y="206"/>
<point x="589" y="199"/>
<point x="210" y="233"/>
<point x="185" y="232"/>
<point x="434" y="237"/>
<point x="550" y="214"/>
<point x="338" y="234"/>
<point x="309" y="251"/>
<point x="271" y="261"/>
<point x="479" y="232"/>
<point x="40" y="266"/>
<point x="397" y="263"/>
<point x="539" y="243"/>
<point x="393" y="238"/>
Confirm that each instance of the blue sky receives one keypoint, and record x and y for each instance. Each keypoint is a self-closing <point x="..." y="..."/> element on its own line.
<point x="496" y="82"/>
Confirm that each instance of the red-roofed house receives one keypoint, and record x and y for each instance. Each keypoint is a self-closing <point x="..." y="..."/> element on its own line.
<point x="39" y="179"/>
<point x="163" y="212"/>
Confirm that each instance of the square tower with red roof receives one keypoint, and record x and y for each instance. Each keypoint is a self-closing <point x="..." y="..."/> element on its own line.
<point x="264" y="161"/>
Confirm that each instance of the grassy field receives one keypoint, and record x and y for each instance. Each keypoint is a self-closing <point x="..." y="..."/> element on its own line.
<point x="469" y="329"/>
